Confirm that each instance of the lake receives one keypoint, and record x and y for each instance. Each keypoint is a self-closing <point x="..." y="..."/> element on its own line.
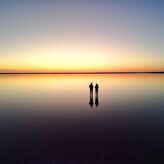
<point x="44" y="118"/>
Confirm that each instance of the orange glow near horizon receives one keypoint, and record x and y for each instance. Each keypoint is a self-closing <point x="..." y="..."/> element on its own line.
<point x="79" y="59"/>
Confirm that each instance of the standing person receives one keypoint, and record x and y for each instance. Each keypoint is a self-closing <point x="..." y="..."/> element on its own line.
<point x="91" y="87"/>
<point x="96" y="87"/>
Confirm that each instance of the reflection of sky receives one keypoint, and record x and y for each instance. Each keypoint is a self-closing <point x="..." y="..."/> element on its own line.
<point x="81" y="35"/>
<point x="47" y="117"/>
<point x="70" y="93"/>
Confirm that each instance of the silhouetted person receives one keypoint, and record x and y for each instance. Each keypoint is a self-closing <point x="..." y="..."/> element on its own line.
<point x="91" y="87"/>
<point x="91" y="98"/>
<point x="96" y="87"/>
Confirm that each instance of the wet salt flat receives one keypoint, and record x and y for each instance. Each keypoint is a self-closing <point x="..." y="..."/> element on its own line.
<point x="50" y="117"/>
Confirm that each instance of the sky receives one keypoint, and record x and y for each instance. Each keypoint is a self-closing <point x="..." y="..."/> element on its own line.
<point x="81" y="35"/>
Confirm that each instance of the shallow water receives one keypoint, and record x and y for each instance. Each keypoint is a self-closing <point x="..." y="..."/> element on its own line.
<point x="49" y="117"/>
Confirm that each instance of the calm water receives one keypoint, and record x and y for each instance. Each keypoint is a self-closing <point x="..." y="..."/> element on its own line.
<point x="48" y="117"/>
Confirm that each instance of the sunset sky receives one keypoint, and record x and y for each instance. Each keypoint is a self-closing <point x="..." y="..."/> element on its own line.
<point x="81" y="35"/>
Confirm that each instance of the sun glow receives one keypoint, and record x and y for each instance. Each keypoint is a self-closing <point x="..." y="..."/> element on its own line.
<point x="76" y="57"/>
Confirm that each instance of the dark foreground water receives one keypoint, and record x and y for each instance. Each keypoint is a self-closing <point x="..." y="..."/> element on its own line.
<point x="46" y="118"/>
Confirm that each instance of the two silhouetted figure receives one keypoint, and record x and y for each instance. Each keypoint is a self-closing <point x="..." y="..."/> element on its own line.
<point x="96" y="87"/>
<point x="96" y="95"/>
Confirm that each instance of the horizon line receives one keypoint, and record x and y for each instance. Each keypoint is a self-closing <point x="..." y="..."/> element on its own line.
<point x="118" y="72"/>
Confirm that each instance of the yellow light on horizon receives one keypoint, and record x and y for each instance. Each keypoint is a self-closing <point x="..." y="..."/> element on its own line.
<point x="77" y="58"/>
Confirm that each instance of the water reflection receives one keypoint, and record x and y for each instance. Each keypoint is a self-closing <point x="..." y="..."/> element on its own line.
<point x="91" y="99"/>
<point x="96" y="99"/>
<point x="44" y="118"/>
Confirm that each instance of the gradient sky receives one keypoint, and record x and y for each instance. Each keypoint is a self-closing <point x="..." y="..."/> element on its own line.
<point x="81" y="35"/>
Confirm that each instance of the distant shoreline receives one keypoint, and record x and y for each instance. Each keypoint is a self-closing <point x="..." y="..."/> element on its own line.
<point x="82" y="73"/>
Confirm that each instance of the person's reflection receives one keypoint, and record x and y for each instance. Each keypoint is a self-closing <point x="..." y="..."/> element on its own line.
<point x="96" y="94"/>
<point x="91" y="98"/>
<point x="96" y="98"/>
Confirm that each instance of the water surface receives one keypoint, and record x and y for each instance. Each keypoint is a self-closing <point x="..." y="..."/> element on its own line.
<point x="49" y="117"/>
